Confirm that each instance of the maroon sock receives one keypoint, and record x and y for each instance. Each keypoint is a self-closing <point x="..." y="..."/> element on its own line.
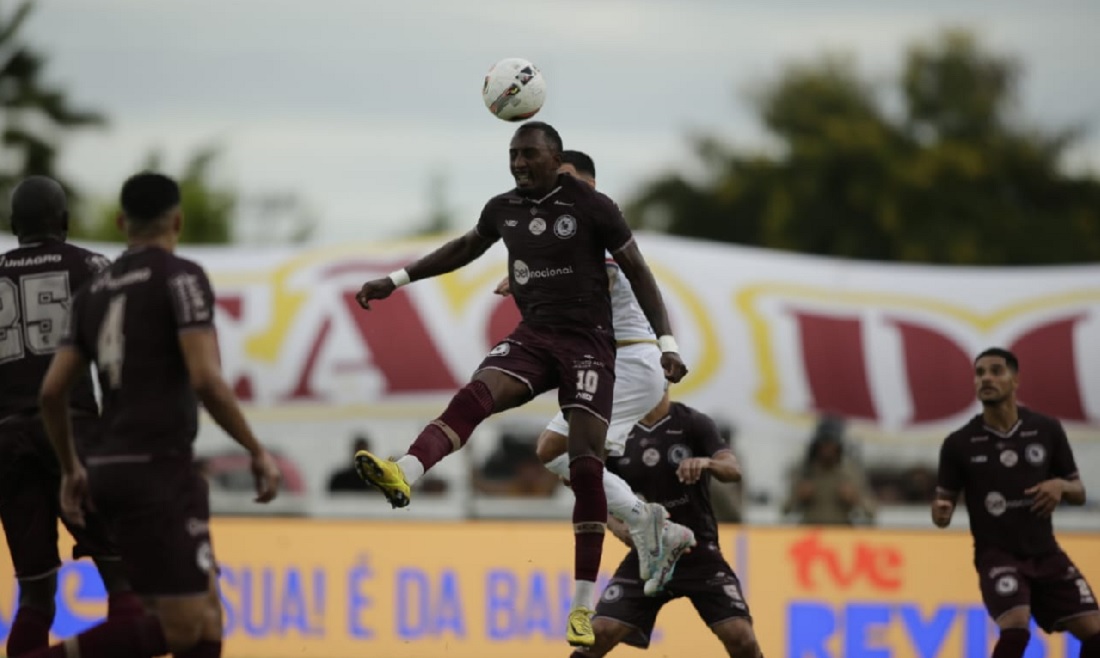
<point x="471" y="405"/>
<point x="30" y="630"/>
<point x="124" y="604"/>
<point x="1012" y="643"/>
<point x="1090" y="646"/>
<point x="589" y="515"/>
<point x="204" y="649"/>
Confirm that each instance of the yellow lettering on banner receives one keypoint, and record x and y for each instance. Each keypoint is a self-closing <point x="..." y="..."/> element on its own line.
<point x="707" y="364"/>
<point x="747" y="301"/>
<point x="464" y="284"/>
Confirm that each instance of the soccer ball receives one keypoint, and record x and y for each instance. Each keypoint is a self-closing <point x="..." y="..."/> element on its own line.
<point x="514" y="89"/>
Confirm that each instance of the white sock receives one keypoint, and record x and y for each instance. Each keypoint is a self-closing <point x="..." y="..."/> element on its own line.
<point x="411" y="468"/>
<point x="622" y="503"/>
<point x="584" y="594"/>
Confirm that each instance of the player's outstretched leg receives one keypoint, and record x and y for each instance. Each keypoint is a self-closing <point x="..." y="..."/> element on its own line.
<point x="471" y="405"/>
<point x="675" y="541"/>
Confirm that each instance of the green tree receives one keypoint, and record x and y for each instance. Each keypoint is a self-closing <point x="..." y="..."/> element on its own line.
<point x="33" y="115"/>
<point x="953" y="177"/>
<point x="214" y="213"/>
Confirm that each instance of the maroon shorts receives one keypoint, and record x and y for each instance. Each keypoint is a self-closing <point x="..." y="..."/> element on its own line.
<point x="30" y="480"/>
<point x="158" y="509"/>
<point x="579" y="363"/>
<point x="703" y="576"/>
<point x="1049" y="584"/>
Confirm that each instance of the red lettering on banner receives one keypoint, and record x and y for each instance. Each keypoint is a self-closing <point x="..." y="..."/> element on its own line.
<point x="302" y="388"/>
<point x="938" y="372"/>
<point x="1048" y="365"/>
<point x="401" y="346"/>
<point x="879" y="566"/>
<point x="231" y="305"/>
<point x="832" y="353"/>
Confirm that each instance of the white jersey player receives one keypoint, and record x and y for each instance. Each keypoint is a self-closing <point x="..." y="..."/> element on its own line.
<point x="639" y="386"/>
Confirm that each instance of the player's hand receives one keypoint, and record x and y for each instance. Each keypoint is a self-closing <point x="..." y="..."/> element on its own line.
<point x="74" y="495"/>
<point x="266" y="475"/>
<point x="375" y="289"/>
<point x="691" y="469"/>
<point x="674" y="366"/>
<point x="504" y="288"/>
<point x="1047" y="495"/>
<point x="941" y="512"/>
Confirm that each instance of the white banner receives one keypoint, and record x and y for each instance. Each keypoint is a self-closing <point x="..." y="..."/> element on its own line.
<point x="770" y="338"/>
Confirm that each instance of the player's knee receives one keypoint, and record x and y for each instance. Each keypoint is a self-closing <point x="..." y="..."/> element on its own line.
<point x="738" y="639"/>
<point x="550" y="446"/>
<point x="182" y="632"/>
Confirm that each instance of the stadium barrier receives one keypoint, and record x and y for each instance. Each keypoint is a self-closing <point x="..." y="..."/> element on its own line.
<point x="346" y="589"/>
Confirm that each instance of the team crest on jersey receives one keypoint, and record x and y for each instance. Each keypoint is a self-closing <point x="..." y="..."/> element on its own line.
<point x="1035" y="454"/>
<point x="502" y="349"/>
<point x="678" y="453"/>
<point x="612" y="593"/>
<point x="1007" y="585"/>
<point x="995" y="503"/>
<point x="650" y="457"/>
<point x="565" y="226"/>
<point x="1009" y="458"/>
<point x="537" y="226"/>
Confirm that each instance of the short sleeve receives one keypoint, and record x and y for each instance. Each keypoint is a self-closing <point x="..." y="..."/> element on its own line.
<point x="192" y="297"/>
<point x="951" y="478"/>
<point x="486" y="224"/>
<point x="1062" y="464"/>
<point x="706" y="438"/>
<point x="71" y="335"/>
<point x="611" y="225"/>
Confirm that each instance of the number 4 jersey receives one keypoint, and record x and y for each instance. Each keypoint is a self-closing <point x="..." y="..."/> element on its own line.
<point x="127" y="321"/>
<point x="37" y="282"/>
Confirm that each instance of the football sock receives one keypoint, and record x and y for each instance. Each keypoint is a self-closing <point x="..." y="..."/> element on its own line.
<point x="589" y="517"/>
<point x="1012" y="643"/>
<point x="584" y="595"/>
<point x="1090" y="647"/>
<point x="30" y="630"/>
<point x="471" y="405"/>
<point x="204" y="649"/>
<point x="139" y="637"/>
<point x="622" y="502"/>
<point x="124" y="604"/>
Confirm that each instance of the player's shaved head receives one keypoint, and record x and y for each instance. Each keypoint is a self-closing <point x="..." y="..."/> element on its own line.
<point x="149" y="201"/>
<point x="553" y="139"/>
<point x="39" y="208"/>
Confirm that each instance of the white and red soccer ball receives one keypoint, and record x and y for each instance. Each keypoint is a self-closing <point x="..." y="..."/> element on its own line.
<point x="514" y="89"/>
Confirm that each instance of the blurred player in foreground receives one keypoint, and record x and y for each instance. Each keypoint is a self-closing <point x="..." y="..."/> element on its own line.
<point x="639" y="385"/>
<point x="557" y="230"/>
<point x="670" y="456"/>
<point x="37" y="282"/>
<point x="1014" y="466"/>
<point x="147" y="322"/>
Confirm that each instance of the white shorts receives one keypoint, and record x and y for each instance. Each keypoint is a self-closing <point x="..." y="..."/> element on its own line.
<point x="639" y="386"/>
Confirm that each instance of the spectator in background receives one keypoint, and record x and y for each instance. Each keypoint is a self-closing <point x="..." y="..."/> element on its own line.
<point x="828" y="488"/>
<point x="346" y="479"/>
<point x="514" y="469"/>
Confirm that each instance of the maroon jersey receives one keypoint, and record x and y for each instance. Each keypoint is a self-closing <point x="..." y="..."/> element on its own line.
<point x="556" y="249"/>
<point x="993" y="470"/>
<point x="652" y="456"/>
<point x="128" y="320"/>
<point x="37" y="283"/>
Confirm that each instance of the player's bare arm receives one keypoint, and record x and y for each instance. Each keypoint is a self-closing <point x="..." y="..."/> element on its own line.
<point x="1048" y="494"/>
<point x="723" y="466"/>
<point x="67" y="366"/>
<point x="455" y="254"/>
<point x="200" y="353"/>
<point x="645" y="288"/>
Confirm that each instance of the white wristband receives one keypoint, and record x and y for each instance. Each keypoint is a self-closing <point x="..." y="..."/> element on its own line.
<point x="400" y="278"/>
<point x="668" y="344"/>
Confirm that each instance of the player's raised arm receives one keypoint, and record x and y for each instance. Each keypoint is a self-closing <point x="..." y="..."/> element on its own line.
<point x="454" y="254"/>
<point x="637" y="271"/>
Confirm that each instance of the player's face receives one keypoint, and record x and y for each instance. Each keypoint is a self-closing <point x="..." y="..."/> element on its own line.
<point x="994" y="381"/>
<point x="533" y="162"/>
<point x="567" y="168"/>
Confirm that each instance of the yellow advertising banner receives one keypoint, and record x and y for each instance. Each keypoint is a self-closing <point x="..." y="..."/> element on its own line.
<point x="341" y="589"/>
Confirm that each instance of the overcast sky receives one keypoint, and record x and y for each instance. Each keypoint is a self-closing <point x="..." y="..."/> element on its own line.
<point x="353" y="104"/>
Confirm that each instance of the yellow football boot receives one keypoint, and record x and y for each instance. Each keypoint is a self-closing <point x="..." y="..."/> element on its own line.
<point x="579" y="633"/>
<point x="384" y="475"/>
